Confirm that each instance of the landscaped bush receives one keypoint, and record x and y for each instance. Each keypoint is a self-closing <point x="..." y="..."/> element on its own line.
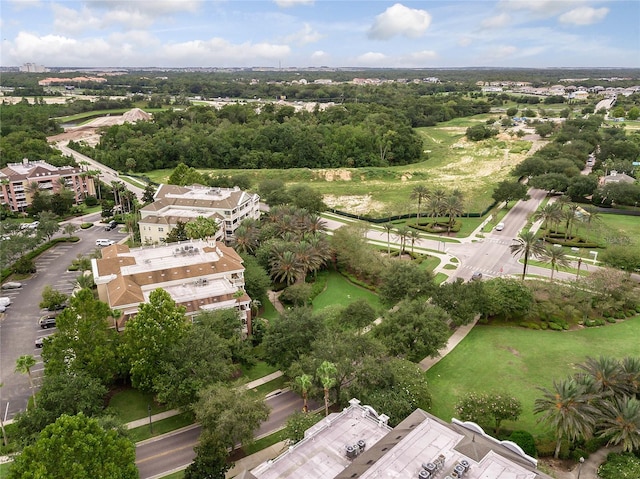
<point x="525" y="441"/>
<point x="595" y="443"/>
<point x="620" y="466"/>
<point x="546" y="447"/>
<point x="555" y="327"/>
<point x="24" y="266"/>
<point x="85" y="226"/>
<point x="619" y="315"/>
<point x="530" y="325"/>
<point x="437" y="227"/>
<point x="576" y="454"/>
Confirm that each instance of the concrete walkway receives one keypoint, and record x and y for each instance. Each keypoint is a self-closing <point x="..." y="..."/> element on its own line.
<point x="589" y="469"/>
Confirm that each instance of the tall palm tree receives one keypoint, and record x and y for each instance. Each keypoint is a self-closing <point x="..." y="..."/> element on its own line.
<point x="452" y="207"/>
<point x="402" y="232"/>
<point x="420" y="192"/>
<point x="388" y="228"/>
<point x="321" y="252"/>
<point x="549" y="214"/>
<point x="434" y="207"/>
<point x="569" y="409"/>
<point x="23" y="366"/>
<point x="327" y="373"/>
<point x="527" y="245"/>
<point x="569" y="215"/>
<point x="304" y="381"/>
<point x="591" y="218"/>
<point x="246" y="239"/>
<point x="620" y="422"/>
<point x="556" y="257"/>
<point x="414" y="235"/>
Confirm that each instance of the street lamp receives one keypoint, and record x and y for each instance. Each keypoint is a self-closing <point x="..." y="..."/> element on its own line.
<point x="580" y="466"/>
<point x="150" y="423"/>
<point x="577" y="250"/>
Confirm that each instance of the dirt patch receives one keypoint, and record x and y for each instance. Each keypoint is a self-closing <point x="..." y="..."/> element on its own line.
<point x="88" y="133"/>
<point x="513" y="351"/>
<point x="358" y="205"/>
<point x="334" y="175"/>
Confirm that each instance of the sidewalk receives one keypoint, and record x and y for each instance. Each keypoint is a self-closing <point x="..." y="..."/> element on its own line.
<point x="249" y="462"/>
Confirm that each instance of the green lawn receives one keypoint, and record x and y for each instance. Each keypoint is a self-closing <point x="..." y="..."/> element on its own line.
<point x="174" y="475"/>
<point x="4" y="469"/>
<point x="161" y="427"/>
<point x="516" y="360"/>
<point x="340" y="291"/>
<point x="259" y="370"/>
<point x="131" y="404"/>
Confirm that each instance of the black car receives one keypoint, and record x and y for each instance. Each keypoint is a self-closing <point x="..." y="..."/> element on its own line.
<point x="47" y="321"/>
<point x="112" y="225"/>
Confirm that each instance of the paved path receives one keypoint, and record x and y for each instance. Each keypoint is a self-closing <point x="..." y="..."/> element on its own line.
<point x="455" y="339"/>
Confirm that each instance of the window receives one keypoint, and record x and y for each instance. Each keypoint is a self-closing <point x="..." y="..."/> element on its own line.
<point x="160" y="229"/>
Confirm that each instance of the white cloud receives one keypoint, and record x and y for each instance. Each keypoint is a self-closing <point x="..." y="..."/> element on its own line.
<point x="24" y="4"/>
<point x="400" y="20"/>
<point x="583" y="16"/>
<point x="292" y="3"/>
<point x="320" y="55"/>
<point x="464" y="41"/>
<point x="220" y="51"/>
<point x="69" y="21"/>
<point x="303" y="36"/>
<point x="371" y="59"/>
<point x="545" y="8"/>
<point x="65" y="51"/>
<point x="157" y="8"/>
<point x="497" y="21"/>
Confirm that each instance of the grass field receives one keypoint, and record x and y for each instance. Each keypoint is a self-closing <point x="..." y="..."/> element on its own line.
<point x="516" y="360"/>
<point x="453" y="163"/>
<point x="161" y="427"/>
<point x="131" y="404"/>
<point x="340" y="291"/>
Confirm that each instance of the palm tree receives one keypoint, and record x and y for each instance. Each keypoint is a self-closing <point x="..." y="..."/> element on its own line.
<point x="452" y="207"/>
<point x="402" y="232"/>
<point x="620" y="422"/>
<point x="569" y="215"/>
<point x="607" y="376"/>
<point x="23" y="366"/>
<point x="549" y="214"/>
<point x="569" y="409"/>
<point x="420" y="192"/>
<point x="556" y="257"/>
<point x="527" y="245"/>
<point x="434" y="207"/>
<point x="414" y="235"/>
<point x="304" y="382"/>
<point x="388" y="227"/>
<point x="630" y="366"/>
<point x="246" y="239"/>
<point x="592" y="217"/>
<point x="327" y="373"/>
<point x="321" y="251"/>
<point x="284" y="264"/>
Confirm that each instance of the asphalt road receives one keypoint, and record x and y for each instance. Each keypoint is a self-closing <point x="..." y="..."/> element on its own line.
<point x="19" y="328"/>
<point x="107" y="174"/>
<point x="174" y="450"/>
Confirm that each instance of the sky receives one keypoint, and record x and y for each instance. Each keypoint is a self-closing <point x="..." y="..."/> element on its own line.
<point x="313" y="33"/>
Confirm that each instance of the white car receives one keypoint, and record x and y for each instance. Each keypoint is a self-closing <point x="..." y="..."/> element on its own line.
<point x="500" y="226"/>
<point x="4" y="303"/>
<point x="104" y="242"/>
<point x="11" y="285"/>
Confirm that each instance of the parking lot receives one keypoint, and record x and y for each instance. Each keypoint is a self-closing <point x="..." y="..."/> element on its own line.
<point x="19" y="327"/>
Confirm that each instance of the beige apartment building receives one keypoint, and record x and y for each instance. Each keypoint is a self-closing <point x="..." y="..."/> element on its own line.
<point x="227" y="206"/>
<point x="358" y="443"/>
<point x="16" y="180"/>
<point x="200" y="275"/>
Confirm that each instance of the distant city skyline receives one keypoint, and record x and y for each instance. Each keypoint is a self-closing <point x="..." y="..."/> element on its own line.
<point x="308" y="33"/>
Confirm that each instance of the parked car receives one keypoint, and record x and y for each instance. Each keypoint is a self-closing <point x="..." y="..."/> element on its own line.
<point x="476" y="276"/>
<point x="500" y="226"/>
<point x="48" y="321"/>
<point x="5" y="301"/>
<point x="39" y="342"/>
<point x="112" y="225"/>
<point x="11" y="285"/>
<point x="104" y="242"/>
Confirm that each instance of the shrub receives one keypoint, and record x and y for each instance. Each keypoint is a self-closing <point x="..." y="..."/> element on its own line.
<point x="546" y="448"/>
<point x="593" y="444"/>
<point x="620" y="466"/>
<point x="85" y="226"/>
<point x="600" y="322"/>
<point x="619" y="315"/>
<point x="555" y="327"/>
<point x="525" y="441"/>
<point x="24" y="265"/>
